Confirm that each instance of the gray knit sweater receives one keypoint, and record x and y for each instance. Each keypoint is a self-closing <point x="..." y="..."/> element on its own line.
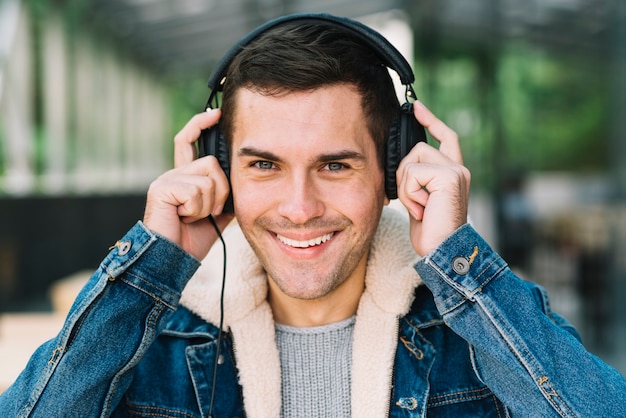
<point x="315" y="365"/>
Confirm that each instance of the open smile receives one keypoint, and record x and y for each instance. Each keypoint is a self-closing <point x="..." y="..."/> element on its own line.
<point x="305" y="243"/>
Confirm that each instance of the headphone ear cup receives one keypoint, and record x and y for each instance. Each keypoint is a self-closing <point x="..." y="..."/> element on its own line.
<point x="212" y="142"/>
<point x="404" y="133"/>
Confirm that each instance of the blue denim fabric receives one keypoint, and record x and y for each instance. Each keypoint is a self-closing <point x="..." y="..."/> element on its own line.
<point x="530" y="358"/>
<point x="495" y="349"/>
<point x="87" y="368"/>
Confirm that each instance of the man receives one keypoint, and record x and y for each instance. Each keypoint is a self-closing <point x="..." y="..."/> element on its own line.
<point x="328" y="308"/>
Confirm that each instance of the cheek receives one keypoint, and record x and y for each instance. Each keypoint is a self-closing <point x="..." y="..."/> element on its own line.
<point x="254" y="199"/>
<point x="359" y="202"/>
<point x="248" y="198"/>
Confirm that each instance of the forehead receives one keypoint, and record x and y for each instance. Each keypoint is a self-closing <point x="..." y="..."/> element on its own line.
<point x="330" y="116"/>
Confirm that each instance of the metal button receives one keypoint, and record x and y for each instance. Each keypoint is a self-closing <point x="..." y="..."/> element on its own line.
<point x="124" y="247"/>
<point x="460" y="265"/>
<point x="221" y="359"/>
<point x="407" y="403"/>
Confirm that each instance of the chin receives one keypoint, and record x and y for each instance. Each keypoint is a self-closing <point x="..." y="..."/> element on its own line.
<point x="303" y="289"/>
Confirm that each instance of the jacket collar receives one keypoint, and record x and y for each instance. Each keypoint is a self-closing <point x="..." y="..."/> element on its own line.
<point x="389" y="288"/>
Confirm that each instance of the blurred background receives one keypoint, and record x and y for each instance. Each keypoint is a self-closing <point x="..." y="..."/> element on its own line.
<point x="93" y="91"/>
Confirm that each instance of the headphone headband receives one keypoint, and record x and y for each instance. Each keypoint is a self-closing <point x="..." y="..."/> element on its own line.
<point x="389" y="55"/>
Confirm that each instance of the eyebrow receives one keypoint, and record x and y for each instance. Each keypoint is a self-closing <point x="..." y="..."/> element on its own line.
<point x="324" y="158"/>
<point x="254" y="152"/>
<point x="341" y="155"/>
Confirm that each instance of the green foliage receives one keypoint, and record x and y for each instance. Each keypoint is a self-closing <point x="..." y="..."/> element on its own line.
<point x="554" y="110"/>
<point x="524" y="109"/>
<point x="188" y="98"/>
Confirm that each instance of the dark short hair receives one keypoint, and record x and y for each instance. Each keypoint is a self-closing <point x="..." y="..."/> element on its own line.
<point x="303" y="57"/>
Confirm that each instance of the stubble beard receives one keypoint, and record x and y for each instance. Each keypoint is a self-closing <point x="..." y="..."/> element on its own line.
<point x="302" y="280"/>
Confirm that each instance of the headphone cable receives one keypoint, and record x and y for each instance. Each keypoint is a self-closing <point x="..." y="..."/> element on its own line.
<point x="219" y="334"/>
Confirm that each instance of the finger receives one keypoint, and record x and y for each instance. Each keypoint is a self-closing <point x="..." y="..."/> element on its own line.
<point x="447" y="138"/>
<point x="417" y="182"/>
<point x="413" y="191"/>
<point x="184" y="141"/>
<point x="423" y="153"/>
<point x="195" y="201"/>
<point x="207" y="171"/>
<point x="205" y="174"/>
<point x="197" y="197"/>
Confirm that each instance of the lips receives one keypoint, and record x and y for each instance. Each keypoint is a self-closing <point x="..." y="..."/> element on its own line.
<point x="305" y="243"/>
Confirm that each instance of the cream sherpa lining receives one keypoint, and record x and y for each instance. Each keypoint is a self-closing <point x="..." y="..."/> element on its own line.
<point x="389" y="284"/>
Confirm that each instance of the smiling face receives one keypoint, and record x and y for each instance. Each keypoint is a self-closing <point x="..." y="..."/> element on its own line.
<point x="307" y="187"/>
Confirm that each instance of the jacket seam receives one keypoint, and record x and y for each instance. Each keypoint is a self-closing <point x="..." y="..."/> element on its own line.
<point x="149" y="333"/>
<point x="527" y="360"/>
<point x="456" y="397"/>
<point x="155" y="411"/>
<point x="153" y="295"/>
<point x="62" y="343"/>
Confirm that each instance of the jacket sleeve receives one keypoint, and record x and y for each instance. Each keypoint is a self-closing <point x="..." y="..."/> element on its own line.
<point x="531" y="358"/>
<point x="88" y="366"/>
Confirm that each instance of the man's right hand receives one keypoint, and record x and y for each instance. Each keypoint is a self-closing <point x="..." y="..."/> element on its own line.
<point x="181" y="199"/>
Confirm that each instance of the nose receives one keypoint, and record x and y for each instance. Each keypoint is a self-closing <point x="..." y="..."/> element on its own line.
<point x="301" y="200"/>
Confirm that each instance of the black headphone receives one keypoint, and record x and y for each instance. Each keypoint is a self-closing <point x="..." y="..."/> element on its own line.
<point x="405" y="132"/>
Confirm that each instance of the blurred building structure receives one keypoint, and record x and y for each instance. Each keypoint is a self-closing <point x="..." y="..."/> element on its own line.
<point x="90" y="97"/>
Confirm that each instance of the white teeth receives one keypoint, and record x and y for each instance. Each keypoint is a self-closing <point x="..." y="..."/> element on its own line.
<point x="305" y="244"/>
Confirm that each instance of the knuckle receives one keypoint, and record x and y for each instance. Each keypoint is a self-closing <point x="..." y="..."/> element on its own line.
<point x="180" y="138"/>
<point x="156" y="183"/>
<point x="466" y="173"/>
<point x="421" y="145"/>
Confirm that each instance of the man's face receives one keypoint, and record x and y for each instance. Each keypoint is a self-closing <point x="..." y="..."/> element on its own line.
<point x="307" y="186"/>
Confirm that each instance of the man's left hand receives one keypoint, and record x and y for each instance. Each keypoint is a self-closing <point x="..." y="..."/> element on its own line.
<point x="433" y="184"/>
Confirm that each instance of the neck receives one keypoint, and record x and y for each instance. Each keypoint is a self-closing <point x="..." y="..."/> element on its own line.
<point x="341" y="303"/>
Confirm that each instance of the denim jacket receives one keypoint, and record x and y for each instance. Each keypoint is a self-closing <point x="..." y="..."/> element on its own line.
<point x="472" y="340"/>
